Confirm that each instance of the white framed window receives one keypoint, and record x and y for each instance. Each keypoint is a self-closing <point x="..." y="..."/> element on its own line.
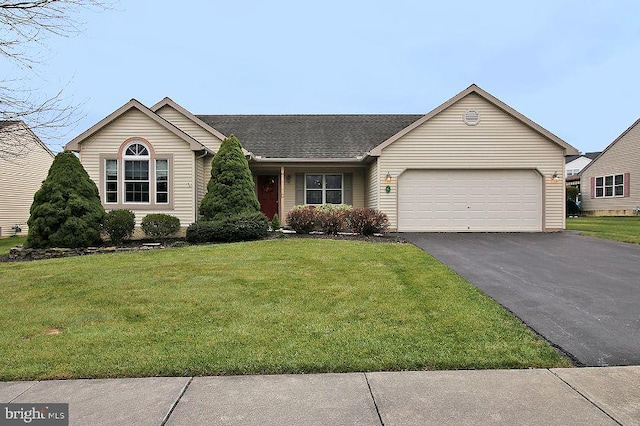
<point x="323" y="189"/>
<point x="162" y="181"/>
<point x="609" y="186"/>
<point x="571" y="172"/>
<point x="111" y="181"/>
<point x="136" y="173"/>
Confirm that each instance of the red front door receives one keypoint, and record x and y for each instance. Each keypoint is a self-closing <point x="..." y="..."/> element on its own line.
<point x="268" y="194"/>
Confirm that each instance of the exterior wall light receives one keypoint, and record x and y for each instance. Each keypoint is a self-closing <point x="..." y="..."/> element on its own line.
<point x="387" y="179"/>
<point x="555" y="177"/>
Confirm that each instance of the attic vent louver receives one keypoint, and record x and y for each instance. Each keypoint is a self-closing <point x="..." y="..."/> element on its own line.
<point x="471" y="117"/>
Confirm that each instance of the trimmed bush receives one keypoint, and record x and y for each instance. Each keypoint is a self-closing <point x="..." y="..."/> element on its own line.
<point x="275" y="222"/>
<point x="302" y="219"/>
<point x="160" y="225"/>
<point x="66" y="210"/>
<point x="230" y="190"/>
<point x="242" y="227"/>
<point x="572" y="193"/>
<point x="332" y="218"/>
<point x="119" y="225"/>
<point x="368" y="221"/>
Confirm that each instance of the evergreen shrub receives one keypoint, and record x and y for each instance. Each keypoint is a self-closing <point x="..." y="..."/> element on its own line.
<point x="66" y="210"/>
<point x="160" y="225"/>
<point x="119" y="225"/>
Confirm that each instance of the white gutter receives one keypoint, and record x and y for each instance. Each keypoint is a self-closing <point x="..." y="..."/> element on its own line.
<point x="306" y="160"/>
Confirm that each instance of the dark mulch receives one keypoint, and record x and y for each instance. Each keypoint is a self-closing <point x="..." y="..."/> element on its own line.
<point x="26" y="255"/>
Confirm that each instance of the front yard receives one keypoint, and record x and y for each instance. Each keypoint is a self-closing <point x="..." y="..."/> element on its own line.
<point x="278" y="306"/>
<point x="7" y="243"/>
<point x="625" y="229"/>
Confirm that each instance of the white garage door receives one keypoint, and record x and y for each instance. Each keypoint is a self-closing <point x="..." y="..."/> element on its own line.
<point x="470" y="201"/>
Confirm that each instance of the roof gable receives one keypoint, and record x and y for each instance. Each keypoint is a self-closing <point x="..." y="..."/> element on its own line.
<point x="377" y="151"/>
<point x="169" y="102"/>
<point x="74" y="144"/>
<point x="7" y="125"/>
<point x="616" y="140"/>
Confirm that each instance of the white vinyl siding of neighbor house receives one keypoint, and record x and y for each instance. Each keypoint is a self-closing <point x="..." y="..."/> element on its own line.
<point x="373" y="186"/>
<point x="620" y="158"/>
<point x="189" y="127"/>
<point x="133" y="123"/>
<point x="577" y="165"/>
<point x="498" y="141"/>
<point x="20" y="178"/>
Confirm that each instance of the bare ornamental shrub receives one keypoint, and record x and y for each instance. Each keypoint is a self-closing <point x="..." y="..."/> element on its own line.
<point x="367" y="221"/>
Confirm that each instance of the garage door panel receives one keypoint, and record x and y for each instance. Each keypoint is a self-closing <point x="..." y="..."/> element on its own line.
<point x="470" y="200"/>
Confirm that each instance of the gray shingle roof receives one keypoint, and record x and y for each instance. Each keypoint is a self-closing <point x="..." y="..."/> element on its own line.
<point x="589" y="155"/>
<point x="310" y="136"/>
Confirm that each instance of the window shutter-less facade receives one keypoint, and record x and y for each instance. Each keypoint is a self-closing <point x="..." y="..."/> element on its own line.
<point x="299" y="189"/>
<point x="627" y="186"/>
<point x="593" y="187"/>
<point x="348" y="189"/>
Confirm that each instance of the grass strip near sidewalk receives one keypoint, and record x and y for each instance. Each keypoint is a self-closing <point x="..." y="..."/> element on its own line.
<point x="278" y="306"/>
<point x="624" y="229"/>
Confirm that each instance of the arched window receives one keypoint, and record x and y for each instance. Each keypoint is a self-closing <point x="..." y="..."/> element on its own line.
<point x="136" y="173"/>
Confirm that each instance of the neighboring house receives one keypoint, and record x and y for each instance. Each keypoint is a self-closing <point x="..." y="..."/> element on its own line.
<point x="471" y="164"/>
<point x="575" y="163"/>
<point x="609" y="184"/>
<point x="24" y="164"/>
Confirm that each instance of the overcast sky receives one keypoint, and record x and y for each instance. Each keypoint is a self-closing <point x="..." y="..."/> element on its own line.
<point x="571" y="66"/>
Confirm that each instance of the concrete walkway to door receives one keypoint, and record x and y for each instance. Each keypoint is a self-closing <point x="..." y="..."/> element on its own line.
<point x="580" y="293"/>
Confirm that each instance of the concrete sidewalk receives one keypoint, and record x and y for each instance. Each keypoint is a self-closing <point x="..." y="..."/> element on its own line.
<point x="593" y="396"/>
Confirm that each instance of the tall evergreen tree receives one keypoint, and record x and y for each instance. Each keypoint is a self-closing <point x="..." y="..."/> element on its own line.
<point x="66" y="210"/>
<point x="230" y="190"/>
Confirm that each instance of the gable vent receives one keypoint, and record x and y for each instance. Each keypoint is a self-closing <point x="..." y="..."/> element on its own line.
<point x="471" y="117"/>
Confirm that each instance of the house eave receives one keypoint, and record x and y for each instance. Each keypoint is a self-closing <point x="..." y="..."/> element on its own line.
<point x="259" y="159"/>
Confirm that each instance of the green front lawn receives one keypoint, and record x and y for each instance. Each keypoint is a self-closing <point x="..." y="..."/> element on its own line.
<point x="278" y="306"/>
<point x="7" y="243"/>
<point x="624" y="229"/>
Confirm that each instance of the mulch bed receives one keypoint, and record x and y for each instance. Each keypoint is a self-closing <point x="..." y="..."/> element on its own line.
<point x="20" y="254"/>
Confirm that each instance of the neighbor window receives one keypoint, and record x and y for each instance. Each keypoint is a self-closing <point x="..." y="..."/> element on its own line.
<point x="571" y="172"/>
<point x="610" y="186"/>
<point x="323" y="189"/>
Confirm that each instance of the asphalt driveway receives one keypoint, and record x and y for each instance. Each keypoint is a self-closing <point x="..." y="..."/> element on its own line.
<point x="580" y="293"/>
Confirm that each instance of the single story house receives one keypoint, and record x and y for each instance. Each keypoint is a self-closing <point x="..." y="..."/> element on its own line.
<point x="471" y="164"/>
<point x="607" y="183"/>
<point x="24" y="164"/>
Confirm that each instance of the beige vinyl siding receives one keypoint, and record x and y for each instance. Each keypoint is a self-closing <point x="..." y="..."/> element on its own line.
<point x="373" y="186"/>
<point x="189" y="127"/>
<point x="20" y="178"/>
<point x="290" y="184"/>
<point x="202" y="178"/>
<point x="622" y="157"/>
<point x="498" y="141"/>
<point x="132" y="124"/>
